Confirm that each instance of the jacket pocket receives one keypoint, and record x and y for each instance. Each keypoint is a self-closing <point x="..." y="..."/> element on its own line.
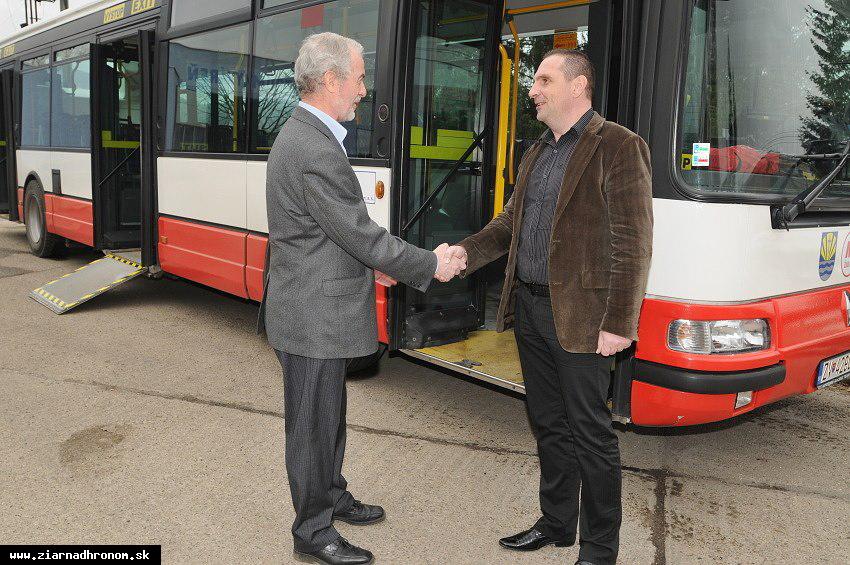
<point x="595" y="278"/>
<point x="342" y="287"/>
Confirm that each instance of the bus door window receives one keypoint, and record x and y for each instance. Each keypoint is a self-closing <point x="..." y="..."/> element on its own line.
<point x="447" y="113"/>
<point x="120" y="124"/>
<point x="539" y="32"/>
<point x="278" y="38"/>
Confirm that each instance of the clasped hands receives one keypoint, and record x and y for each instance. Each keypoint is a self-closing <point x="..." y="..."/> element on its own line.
<point x="451" y="260"/>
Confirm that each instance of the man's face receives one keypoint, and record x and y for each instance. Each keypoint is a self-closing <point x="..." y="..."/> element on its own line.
<point x="553" y="94"/>
<point x="352" y="89"/>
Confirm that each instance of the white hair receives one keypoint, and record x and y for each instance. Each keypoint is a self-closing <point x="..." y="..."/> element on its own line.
<point x="320" y="53"/>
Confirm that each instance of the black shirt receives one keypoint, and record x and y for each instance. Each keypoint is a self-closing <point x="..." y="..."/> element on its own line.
<point x="541" y="195"/>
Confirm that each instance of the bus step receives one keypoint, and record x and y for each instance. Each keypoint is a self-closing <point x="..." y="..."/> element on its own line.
<point x="71" y="290"/>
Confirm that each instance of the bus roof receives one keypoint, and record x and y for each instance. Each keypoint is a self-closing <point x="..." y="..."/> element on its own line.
<point x="62" y="18"/>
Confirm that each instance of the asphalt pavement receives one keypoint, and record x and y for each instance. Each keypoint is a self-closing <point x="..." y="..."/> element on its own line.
<point x="153" y="414"/>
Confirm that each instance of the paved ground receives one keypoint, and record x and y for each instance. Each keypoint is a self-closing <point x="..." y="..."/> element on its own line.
<point x="153" y="415"/>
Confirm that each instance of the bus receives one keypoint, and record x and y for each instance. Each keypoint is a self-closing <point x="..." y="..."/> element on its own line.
<point x="142" y="128"/>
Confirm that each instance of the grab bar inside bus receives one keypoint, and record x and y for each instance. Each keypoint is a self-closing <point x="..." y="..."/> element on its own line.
<point x="445" y="182"/>
<point x="118" y="166"/>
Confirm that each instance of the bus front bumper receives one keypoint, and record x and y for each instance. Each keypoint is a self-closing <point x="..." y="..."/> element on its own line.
<point x="705" y="382"/>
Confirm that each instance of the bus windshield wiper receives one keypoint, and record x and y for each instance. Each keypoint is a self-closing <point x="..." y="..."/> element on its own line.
<point x="783" y="215"/>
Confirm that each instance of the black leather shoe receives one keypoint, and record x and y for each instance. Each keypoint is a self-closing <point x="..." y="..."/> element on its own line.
<point x="361" y="514"/>
<point x="338" y="552"/>
<point x="530" y="540"/>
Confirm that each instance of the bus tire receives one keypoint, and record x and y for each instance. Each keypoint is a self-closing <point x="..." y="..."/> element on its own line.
<point x="42" y="243"/>
<point x="360" y="367"/>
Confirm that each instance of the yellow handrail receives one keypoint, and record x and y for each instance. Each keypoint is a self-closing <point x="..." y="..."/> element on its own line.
<point x="502" y="143"/>
<point x="514" y="102"/>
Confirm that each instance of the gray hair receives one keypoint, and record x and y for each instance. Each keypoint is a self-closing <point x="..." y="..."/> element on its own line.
<point x="320" y="53"/>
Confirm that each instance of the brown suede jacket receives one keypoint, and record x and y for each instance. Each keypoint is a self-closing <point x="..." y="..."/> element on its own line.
<point x="601" y="241"/>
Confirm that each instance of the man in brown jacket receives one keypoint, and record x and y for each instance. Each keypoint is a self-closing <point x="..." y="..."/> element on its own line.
<point x="578" y="234"/>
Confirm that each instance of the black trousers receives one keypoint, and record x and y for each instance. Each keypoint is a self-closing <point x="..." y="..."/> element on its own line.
<point x="566" y="395"/>
<point x="314" y="419"/>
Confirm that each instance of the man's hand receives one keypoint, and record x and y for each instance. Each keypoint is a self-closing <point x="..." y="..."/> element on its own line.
<point x="456" y="252"/>
<point x="449" y="262"/>
<point x="609" y="344"/>
<point x="384" y="280"/>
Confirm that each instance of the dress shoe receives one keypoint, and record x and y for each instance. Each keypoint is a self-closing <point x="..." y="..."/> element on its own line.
<point x="338" y="552"/>
<point x="530" y="540"/>
<point x="361" y="514"/>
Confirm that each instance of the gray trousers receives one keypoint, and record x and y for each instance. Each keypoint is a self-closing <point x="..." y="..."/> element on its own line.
<point x="314" y="417"/>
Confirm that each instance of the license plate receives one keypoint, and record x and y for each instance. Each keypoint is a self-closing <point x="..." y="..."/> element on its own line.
<point x="832" y="370"/>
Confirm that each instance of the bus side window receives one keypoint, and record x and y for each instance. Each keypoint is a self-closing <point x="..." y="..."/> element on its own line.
<point x="278" y="38"/>
<point x="207" y="85"/>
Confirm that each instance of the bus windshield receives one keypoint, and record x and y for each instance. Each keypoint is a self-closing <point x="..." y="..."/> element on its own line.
<point x="766" y="98"/>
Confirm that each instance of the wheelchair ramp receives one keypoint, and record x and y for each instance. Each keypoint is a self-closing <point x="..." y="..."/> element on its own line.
<point x="91" y="280"/>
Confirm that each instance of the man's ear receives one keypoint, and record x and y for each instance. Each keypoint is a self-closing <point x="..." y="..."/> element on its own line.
<point x="579" y="85"/>
<point x="331" y="82"/>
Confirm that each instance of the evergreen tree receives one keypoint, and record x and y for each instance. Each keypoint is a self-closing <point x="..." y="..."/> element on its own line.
<point x="826" y="128"/>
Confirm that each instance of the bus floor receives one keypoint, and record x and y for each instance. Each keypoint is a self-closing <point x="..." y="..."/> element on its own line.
<point x="484" y="351"/>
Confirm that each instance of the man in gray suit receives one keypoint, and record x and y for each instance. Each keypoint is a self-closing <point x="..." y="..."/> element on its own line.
<point x="319" y="301"/>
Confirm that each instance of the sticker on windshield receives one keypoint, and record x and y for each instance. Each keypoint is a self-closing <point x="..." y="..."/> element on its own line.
<point x="701" y="154"/>
<point x="845" y="256"/>
<point x="687" y="159"/>
<point x="828" y="243"/>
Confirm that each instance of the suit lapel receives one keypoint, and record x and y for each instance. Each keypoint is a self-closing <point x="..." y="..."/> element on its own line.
<point x="585" y="148"/>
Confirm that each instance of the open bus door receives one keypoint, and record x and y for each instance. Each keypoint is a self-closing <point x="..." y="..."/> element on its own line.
<point x="122" y="172"/>
<point x="121" y="140"/>
<point x="454" y="80"/>
<point x="8" y="180"/>
<point x="443" y="168"/>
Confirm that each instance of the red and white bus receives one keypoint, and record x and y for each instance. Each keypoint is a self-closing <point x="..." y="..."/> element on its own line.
<point x="142" y="128"/>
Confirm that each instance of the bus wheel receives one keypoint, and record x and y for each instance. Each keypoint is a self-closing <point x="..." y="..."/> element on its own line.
<point x="42" y="243"/>
<point x="367" y="366"/>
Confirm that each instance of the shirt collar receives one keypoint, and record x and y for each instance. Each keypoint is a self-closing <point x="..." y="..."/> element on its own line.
<point x="336" y="128"/>
<point x="577" y="129"/>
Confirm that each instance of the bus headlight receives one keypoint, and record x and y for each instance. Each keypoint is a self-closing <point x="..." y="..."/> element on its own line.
<point x="719" y="336"/>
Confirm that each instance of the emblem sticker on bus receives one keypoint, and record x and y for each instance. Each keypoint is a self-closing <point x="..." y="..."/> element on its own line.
<point x="845" y="256"/>
<point x="828" y="245"/>
<point x="701" y="155"/>
<point x="113" y="14"/>
<point x="138" y="6"/>
<point x="8" y="51"/>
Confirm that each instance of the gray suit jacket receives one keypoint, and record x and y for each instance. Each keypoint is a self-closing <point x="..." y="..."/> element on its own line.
<point x="319" y="298"/>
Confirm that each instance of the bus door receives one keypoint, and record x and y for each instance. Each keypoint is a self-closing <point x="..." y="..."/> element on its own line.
<point x="453" y="325"/>
<point x="442" y="169"/>
<point x="8" y="182"/>
<point x="121" y="132"/>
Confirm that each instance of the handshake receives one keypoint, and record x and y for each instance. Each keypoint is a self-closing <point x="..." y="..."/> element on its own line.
<point x="451" y="260"/>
